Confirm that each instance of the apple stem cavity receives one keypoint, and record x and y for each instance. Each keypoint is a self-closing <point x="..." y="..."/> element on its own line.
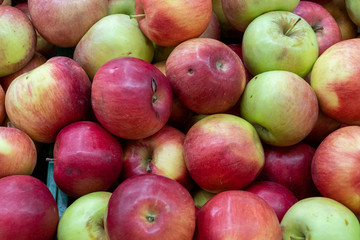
<point x="150" y="218"/>
<point x="317" y="28"/>
<point x="137" y="15"/>
<point x="287" y="33"/>
<point x="154" y="88"/>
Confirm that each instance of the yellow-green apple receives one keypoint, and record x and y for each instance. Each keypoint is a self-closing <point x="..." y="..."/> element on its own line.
<point x="2" y="105"/>
<point x="319" y="218"/>
<point x="161" y="153"/>
<point x="63" y="23"/>
<point x="291" y="167"/>
<point x="318" y="1"/>
<point x="335" y="164"/>
<point x="237" y="215"/>
<point x="18" y="155"/>
<point x="113" y="36"/>
<point x="322" y="22"/>
<point x="223" y="152"/>
<point x="206" y="75"/>
<point x="334" y="79"/>
<point x="131" y="98"/>
<point x="37" y="60"/>
<point x="87" y="158"/>
<point x="279" y="197"/>
<point x="83" y="219"/>
<point x="47" y="98"/>
<point x="324" y="126"/>
<point x="17" y="40"/>
<point x="201" y="196"/>
<point x="121" y="6"/>
<point x="213" y="29"/>
<point x="279" y="40"/>
<point x="150" y="207"/>
<point x="28" y="210"/>
<point x="353" y="10"/>
<point x="241" y="12"/>
<point x="168" y="23"/>
<point x="338" y="10"/>
<point x="281" y="105"/>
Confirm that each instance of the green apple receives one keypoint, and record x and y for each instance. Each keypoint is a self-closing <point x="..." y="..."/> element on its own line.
<point x="121" y="6"/>
<point x="279" y="40"/>
<point x="320" y="218"/>
<point x="84" y="218"/>
<point x="281" y="105"/>
<point x="113" y="36"/>
<point x="241" y="12"/>
<point x="353" y="10"/>
<point x="201" y="196"/>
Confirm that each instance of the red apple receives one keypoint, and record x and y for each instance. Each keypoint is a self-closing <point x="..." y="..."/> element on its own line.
<point x="291" y="167"/>
<point x="35" y="61"/>
<point x="18" y="155"/>
<point x="27" y="209"/>
<point x="131" y="98"/>
<point x="237" y="48"/>
<point x="87" y="159"/>
<point x="49" y="97"/>
<point x="236" y="215"/>
<point x="335" y="167"/>
<point x="326" y="28"/>
<point x="206" y="75"/>
<point x="213" y="29"/>
<point x="150" y="207"/>
<point x="64" y="23"/>
<point x="223" y="152"/>
<point x="167" y="23"/>
<point x="17" y="40"/>
<point x="279" y="197"/>
<point x="161" y="153"/>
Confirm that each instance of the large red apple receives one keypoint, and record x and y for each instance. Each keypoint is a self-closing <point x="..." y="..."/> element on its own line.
<point x="167" y="23"/>
<point x="291" y="167"/>
<point x="206" y="75"/>
<point x="87" y="159"/>
<point x="223" y="152"/>
<point x="63" y="23"/>
<point x="28" y="211"/>
<point x="49" y="97"/>
<point x="150" y="207"/>
<point x="279" y="197"/>
<point x="131" y="98"/>
<point x="161" y="153"/>
<point x="237" y="215"/>
<point x="335" y="167"/>
<point x="326" y="28"/>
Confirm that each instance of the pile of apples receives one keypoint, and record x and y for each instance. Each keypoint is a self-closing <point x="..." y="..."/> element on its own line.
<point x="180" y="120"/>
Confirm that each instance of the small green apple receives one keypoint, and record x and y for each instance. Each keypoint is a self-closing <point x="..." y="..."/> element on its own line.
<point x="353" y="10"/>
<point x="121" y="6"/>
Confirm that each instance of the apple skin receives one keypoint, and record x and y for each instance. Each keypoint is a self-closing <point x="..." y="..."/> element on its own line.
<point x="84" y="218"/>
<point x="334" y="79"/>
<point x="326" y="28"/>
<point x="87" y="159"/>
<point x="213" y="29"/>
<point x="241" y="12"/>
<point x="17" y="152"/>
<point x="2" y="105"/>
<point x="161" y="153"/>
<point x="168" y="23"/>
<point x="37" y="60"/>
<point x="289" y="44"/>
<point x="353" y="9"/>
<point x="237" y="214"/>
<point x="17" y="30"/>
<point x="223" y="152"/>
<point x="63" y="23"/>
<point x="111" y="37"/>
<point x="206" y="75"/>
<point x="291" y="167"/>
<point x="47" y="98"/>
<point x="335" y="164"/>
<point x="337" y="9"/>
<point x="27" y="209"/>
<point x="319" y="218"/>
<point x="150" y="207"/>
<point x="279" y="197"/>
<point x="282" y="107"/>
<point x="121" y="6"/>
<point x="125" y="82"/>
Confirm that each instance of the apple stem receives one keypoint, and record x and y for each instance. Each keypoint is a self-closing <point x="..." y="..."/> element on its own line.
<point x="10" y="124"/>
<point x="137" y="15"/>
<point x="50" y="159"/>
<point x="318" y="28"/>
<point x="292" y="27"/>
